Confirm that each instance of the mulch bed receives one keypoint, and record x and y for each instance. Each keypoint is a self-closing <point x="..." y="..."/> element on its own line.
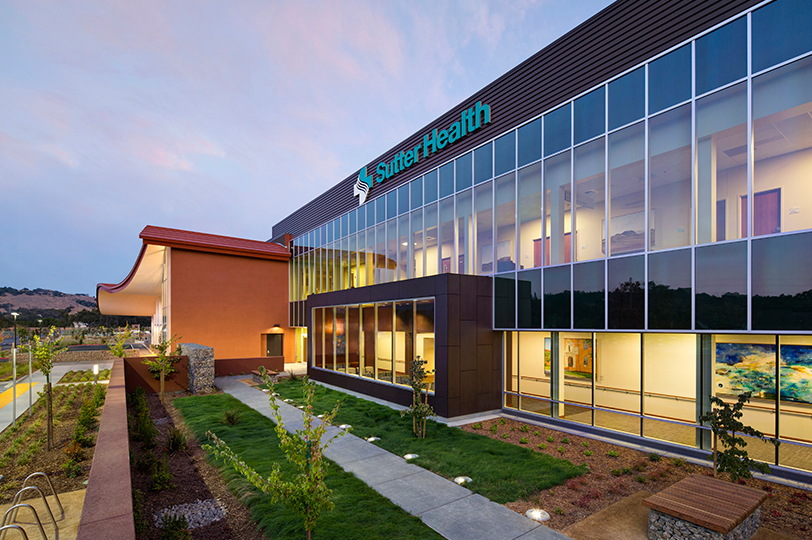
<point x="12" y="465"/>
<point x="787" y="510"/>
<point x="194" y="478"/>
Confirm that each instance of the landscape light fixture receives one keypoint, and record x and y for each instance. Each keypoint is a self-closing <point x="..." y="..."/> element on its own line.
<point x="95" y="374"/>
<point x="15" y="315"/>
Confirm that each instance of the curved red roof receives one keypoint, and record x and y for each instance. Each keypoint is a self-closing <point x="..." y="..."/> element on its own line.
<point x="213" y="243"/>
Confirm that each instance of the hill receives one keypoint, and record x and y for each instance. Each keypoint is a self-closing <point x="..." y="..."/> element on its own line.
<point x="45" y="300"/>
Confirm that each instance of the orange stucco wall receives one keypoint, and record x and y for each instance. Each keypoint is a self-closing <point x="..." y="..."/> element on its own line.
<point x="228" y="302"/>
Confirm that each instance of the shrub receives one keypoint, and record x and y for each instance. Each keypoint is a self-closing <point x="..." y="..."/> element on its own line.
<point x="550" y="439"/>
<point x="494" y="428"/>
<point x="524" y="440"/>
<point x="524" y="428"/>
<point x="565" y="440"/>
<point x="612" y="453"/>
<point x="640" y="478"/>
<point x="176" y="440"/>
<point x="558" y="511"/>
<point x="542" y="446"/>
<point x="74" y="451"/>
<point x="585" y="444"/>
<point x="231" y="417"/>
<point x="82" y="437"/>
<point x="145" y="463"/>
<point x="536" y="433"/>
<point x="478" y="425"/>
<point x="175" y="527"/>
<point x="588" y="452"/>
<point x="71" y="468"/>
<point x="615" y="472"/>
<point x="144" y="430"/>
<point x="678" y="462"/>
<point x="505" y="435"/>
<point x="654" y="457"/>
<point x="161" y="476"/>
<point x="138" y="512"/>
<point x="560" y="449"/>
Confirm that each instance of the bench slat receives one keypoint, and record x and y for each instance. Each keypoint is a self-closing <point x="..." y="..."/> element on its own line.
<point x="709" y="502"/>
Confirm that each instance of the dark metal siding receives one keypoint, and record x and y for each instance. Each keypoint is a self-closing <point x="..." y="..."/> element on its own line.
<point x="621" y="36"/>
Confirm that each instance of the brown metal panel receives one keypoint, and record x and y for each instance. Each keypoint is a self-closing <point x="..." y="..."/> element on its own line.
<point x="621" y="36"/>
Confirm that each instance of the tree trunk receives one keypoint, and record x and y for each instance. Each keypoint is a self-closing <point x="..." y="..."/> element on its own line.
<point x="49" y="417"/>
<point x="162" y="387"/>
<point x="714" y="454"/>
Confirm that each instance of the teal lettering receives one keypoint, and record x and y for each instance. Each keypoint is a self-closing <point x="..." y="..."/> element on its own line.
<point x="416" y="153"/>
<point x="408" y="159"/>
<point x="442" y="139"/>
<point x="483" y="110"/>
<point x="381" y="170"/>
<point x="470" y="114"/>
<point x="463" y="121"/>
<point x="427" y="142"/>
<point x="454" y="133"/>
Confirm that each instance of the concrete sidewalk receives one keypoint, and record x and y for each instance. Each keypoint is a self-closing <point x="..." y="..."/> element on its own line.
<point x="37" y="380"/>
<point x="453" y="511"/>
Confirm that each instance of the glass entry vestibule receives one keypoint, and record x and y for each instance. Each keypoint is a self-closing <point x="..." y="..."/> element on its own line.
<point x="656" y="385"/>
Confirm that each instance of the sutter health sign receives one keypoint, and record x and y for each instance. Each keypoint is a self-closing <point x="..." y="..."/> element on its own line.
<point x="470" y="120"/>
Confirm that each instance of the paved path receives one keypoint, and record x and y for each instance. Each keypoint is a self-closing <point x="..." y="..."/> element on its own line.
<point x="453" y="511"/>
<point x="37" y="384"/>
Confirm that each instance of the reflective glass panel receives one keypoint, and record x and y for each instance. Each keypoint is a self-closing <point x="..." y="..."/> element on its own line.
<point x="430" y="187"/>
<point x="447" y="236"/>
<point x="362" y="222"/>
<point x="464" y="168"/>
<point x="447" y="179"/>
<point x="361" y="276"/>
<point x="627" y="101"/>
<point x="484" y="228"/>
<point x="557" y="132"/>
<point x="529" y="296"/>
<point x="505" y="153"/>
<point x="392" y="249"/>
<point x="669" y="79"/>
<point x="576" y="361"/>
<point x="669" y="290"/>
<point x="721" y="287"/>
<point x="782" y="293"/>
<point x="344" y="254"/>
<point x="670" y="178"/>
<point x="370" y="206"/>
<point x="381" y="262"/>
<point x="352" y="254"/>
<point x="465" y="233"/>
<point x="795" y="414"/>
<point x="506" y="223"/>
<point x="404" y="340"/>
<point x="345" y="225"/>
<point x="721" y="56"/>
<point x="318" y="337"/>
<point x="424" y="337"/>
<point x="617" y="382"/>
<point x="504" y="301"/>
<point x="626" y="280"/>
<point x="782" y="125"/>
<point x="392" y="204"/>
<point x="590" y="115"/>
<point x="416" y="269"/>
<point x="534" y="373"/>
<point x="353" y="340"/>
<point x="530" y="142"/>
<point x="557" y="297"/>
<point x="384" y="342"/>
<point x="404" y="248"/>
<point x="341" y="339"/>
<point x="353" y="221"/>
<point x="403" y="199"/>
<point x="329" y="340"/>
<point x="590" y="200"/>
<point x="529" y="216"/>
<point x="417" y="193"/>
<point x="627" y="219"/>
<point x="483" y="163"/>
<point x="721" y="155"/>
<point x="781" y="32"/>
<point x="557" y="207"/>
<point x="588" y="296"/>
<point x="367" y="340"/>
<point x="430" y="226"/>
<point x="380" y="209"/>
<point x="370" y="256"/>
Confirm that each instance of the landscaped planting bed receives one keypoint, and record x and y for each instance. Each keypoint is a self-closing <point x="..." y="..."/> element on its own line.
<point x="360" y="512"/>
<point x="617" y="472"/>
<point x="23" y="447"/>
<point x="84" y="376"/>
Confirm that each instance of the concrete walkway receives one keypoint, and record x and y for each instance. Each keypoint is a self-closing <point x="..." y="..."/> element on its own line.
<point x="7" y="409"/>
<point x="453" y="511"/>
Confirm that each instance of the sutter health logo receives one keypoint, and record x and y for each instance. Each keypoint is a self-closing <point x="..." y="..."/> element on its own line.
<point x="470" y="120"/>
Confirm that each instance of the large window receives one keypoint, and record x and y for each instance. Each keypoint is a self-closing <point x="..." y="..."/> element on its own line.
<point x="376" y="341"/>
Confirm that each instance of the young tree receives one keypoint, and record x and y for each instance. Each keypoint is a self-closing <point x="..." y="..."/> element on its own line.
<point x="45" y="349"/>
<point x="724" y="423"/>
<point x="164" y="361"/>
<point x="420" y="409"/>
<point x="117" y="348"/>
<point x="305" y="492"/>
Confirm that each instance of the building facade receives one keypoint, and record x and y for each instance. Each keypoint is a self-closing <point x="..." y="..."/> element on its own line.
<point x="634" y="197"/>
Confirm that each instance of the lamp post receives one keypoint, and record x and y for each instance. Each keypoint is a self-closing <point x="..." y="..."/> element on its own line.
<point x="14" y="373"/>
<point x="15" y="315"/>
<point x="39" y="326"/>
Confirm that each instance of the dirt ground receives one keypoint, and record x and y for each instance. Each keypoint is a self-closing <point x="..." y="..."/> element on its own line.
<point x="787" y="510"/>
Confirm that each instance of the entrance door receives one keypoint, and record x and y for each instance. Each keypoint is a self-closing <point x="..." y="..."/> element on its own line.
<point x="766" y="213"/>
<point x="274" y="345"/>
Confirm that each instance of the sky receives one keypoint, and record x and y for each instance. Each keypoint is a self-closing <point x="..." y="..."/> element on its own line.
<point x="220" y="117"/>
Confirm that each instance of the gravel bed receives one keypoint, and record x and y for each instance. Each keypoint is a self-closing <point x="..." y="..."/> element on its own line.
<point x="197" y="514"/>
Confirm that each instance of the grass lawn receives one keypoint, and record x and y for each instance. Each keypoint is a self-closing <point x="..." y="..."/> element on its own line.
<point x="360" y="512"/>
<point x="500" y="471"/>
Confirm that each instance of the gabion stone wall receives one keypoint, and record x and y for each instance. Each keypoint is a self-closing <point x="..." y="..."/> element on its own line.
<point x="661" y="526"/>
<point x="201" y="367"/>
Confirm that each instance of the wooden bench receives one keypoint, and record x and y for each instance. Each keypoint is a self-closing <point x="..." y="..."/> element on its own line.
<point x="275" y="376"/>
<point x="704" y="507"/>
